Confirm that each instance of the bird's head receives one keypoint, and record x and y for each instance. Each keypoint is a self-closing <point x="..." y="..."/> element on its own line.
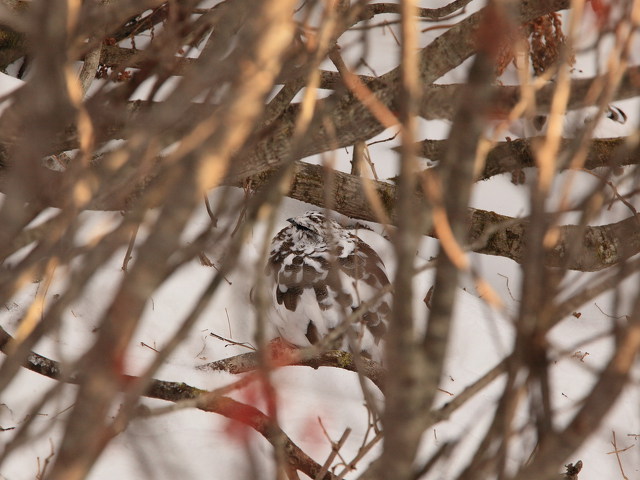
<point x="315" y="227"/>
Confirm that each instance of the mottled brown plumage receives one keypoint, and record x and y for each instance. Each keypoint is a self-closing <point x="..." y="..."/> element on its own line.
<point x="320" y="273"/>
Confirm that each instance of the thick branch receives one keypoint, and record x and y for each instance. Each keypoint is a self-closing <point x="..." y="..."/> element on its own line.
<point x="599" y="246"/>
<point x="114" y="56"/>
<point x="438" y="101"/>
<point x="176" y="391"/>
<point x="516" y="154"/>
<point x="352" y="121"/>
<point x="489" y="232"/>
<point x="249" y="362"/>
<point x="426" y="13"/>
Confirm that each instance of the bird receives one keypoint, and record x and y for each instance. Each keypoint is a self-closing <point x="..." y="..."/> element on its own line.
<point x="320" y="273"/>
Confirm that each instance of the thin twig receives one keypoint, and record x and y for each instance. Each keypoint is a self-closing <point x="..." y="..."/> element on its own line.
<point x="132" y="242"/>
<point x="335" y="449"/>
<point x="233" y="342"/>
<point x="617" y="453"/>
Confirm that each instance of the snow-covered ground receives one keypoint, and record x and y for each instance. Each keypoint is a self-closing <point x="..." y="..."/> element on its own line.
<point x="188" y="443"/>
<point x="192" y="444"/>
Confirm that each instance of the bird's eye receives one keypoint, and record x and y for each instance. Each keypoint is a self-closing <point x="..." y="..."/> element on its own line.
<point x="306" y="229"/>
<point x="300" y="226"/>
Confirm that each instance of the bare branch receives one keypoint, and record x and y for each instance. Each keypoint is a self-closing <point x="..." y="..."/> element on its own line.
<point x="176" y="392"/>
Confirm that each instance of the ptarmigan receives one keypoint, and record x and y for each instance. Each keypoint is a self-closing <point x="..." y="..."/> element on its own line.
<point x="319" y="274"/>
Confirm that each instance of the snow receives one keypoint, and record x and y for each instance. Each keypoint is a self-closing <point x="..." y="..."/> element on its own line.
<point x="8" y="84"/>
<point x="194" y="443"/>
<point x="188" y="443"/>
